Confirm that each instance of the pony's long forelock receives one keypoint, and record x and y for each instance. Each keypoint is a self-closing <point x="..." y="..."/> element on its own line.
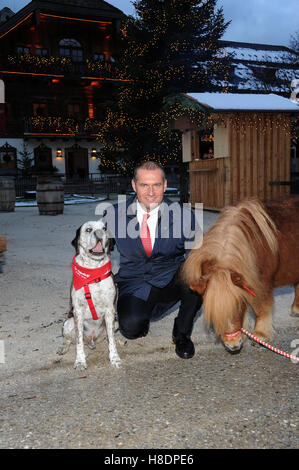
<point x="231" y="245"/>
<point x="222" y="301"/>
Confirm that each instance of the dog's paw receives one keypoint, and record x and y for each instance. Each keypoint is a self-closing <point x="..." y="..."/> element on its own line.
<point x="79" y="365"/>
<point x="62" y="350"/>
<point x="91" y="344"/>
<point x="116" y="362"/>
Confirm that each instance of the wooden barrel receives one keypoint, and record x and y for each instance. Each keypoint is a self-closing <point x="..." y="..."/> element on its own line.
<point x="7" y="194"/>
<point x="50" y="195"/>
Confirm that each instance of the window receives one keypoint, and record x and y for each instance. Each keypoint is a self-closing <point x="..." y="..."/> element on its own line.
<point x="206" y="144"/>
<point x="41" y="51"/>
<point x="72" y="49"/>
<point x="77" y="55"/>
<point x="99" y="56"/>
<point x="23" y="50"/>
<point x="8" y="157"/>
<point x="73" y="110"/>
<point x="39" y="109"/>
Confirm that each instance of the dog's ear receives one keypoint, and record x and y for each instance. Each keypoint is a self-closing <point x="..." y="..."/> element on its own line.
<point x="76" y="240"/>
<point x="111" y="244"/>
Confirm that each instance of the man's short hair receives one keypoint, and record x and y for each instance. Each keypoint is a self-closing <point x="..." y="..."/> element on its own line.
<point x="149" y="165"/>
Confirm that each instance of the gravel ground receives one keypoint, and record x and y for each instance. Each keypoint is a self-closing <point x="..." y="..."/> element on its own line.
<point x="156" y="400"/>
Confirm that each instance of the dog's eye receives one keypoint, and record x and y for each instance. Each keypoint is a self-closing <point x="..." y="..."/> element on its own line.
<point x="105" y="228"/>
<point x="88" y="229"/>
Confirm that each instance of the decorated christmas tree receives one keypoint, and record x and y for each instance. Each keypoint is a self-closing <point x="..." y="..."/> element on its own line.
<point x="169" y="47"/>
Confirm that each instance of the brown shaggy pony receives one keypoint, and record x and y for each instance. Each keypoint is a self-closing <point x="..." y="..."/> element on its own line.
<point x="251" y="249"/>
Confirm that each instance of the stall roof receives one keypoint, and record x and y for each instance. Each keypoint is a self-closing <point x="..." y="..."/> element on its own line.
<point x="244" y="102"/>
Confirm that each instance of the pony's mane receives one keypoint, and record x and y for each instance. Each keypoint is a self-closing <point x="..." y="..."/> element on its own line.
<point x="232" y="244"/>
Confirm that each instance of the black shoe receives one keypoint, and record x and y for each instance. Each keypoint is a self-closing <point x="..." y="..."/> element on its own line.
<point x="184" y="347"/>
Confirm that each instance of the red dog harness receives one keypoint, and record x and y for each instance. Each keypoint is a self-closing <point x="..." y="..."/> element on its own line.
<point x="82" y="277"/>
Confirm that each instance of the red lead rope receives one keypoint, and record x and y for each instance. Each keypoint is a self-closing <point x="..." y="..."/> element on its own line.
<point x="263" y="343"/>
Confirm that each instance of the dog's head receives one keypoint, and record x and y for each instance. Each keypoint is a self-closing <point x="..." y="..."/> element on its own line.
<point x="93" y="239"/>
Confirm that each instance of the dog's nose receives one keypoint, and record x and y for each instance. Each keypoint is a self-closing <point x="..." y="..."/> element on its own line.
<point x="98" y="233"/>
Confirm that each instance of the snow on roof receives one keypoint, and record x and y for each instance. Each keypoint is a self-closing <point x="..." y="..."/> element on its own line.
<point x="261" y="55"/>
<point x="245" y="102"/>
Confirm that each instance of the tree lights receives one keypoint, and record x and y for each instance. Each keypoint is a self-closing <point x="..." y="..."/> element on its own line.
<point x="169" y="47"/>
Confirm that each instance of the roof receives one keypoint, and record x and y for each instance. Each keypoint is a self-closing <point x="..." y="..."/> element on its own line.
<point x="257" y="52"/>
<point x="91" y="4"/>
<point x="244" y="102"/>
<point x="259" y="68"/>
<point x="86" y="8"/>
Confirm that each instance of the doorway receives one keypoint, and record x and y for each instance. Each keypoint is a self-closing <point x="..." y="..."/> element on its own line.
<point x="76" y="163"/>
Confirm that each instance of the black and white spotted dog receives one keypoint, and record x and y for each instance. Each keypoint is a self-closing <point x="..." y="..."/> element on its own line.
<point x="93" y="294"/>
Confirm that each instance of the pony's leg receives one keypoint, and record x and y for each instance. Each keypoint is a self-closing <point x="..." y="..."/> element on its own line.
<point x="263" y="312"/>
<point x="232" y="339"/>
<point x="295" y="306"/>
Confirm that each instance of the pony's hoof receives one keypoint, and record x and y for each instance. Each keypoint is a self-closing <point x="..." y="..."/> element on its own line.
<point x="233" y="349"/>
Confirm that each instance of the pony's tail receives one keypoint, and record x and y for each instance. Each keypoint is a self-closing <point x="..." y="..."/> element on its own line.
<point x="223" y="301"/>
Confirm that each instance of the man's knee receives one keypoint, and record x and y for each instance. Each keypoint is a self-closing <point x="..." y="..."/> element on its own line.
<point x="133" y="329"/>
<point x="133" y="317"/>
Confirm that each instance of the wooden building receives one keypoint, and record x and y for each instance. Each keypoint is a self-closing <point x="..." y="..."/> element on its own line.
<point x="56" y="72"/>
<point x="243" y="152"/>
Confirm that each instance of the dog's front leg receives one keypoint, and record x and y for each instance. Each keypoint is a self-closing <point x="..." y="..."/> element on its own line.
<point x="80" y="362"/>
<point x="113" y="354"/>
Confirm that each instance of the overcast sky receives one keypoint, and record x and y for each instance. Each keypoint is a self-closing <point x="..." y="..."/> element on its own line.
<point x="257" y="21"/>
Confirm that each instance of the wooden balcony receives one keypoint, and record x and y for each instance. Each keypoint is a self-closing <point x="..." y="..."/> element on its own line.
<point x="52" y="126"/>
<point x="29" y="64"/>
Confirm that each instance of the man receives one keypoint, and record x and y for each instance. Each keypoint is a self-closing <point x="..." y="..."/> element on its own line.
<point x="152" y="249"/>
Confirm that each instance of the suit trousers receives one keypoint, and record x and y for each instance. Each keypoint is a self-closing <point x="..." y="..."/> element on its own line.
<point x="134" y="314"/>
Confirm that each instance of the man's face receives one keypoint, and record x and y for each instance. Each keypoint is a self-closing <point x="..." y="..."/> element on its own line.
<point x="149" y="188"/>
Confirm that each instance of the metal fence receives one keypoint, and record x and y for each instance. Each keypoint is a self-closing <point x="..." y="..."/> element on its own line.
<point x="92" y="185"/>
<point x="24" y="186"/>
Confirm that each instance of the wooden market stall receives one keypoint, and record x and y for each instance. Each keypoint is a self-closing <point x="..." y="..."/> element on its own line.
<point x="245" y="152"/>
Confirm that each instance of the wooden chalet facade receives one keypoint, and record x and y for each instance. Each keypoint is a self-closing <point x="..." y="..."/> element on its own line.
<point x="243" y="152"/>
<point x="56" y="72"/>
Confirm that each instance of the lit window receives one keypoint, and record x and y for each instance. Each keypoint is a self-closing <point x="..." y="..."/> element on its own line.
<point x="23" y="50"/>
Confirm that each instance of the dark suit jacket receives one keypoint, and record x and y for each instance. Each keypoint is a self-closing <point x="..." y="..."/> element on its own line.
<point x="138" y="272"/>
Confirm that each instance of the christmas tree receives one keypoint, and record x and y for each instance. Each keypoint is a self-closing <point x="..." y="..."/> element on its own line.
<point x="169" y="47"/>
<point x="25" y="163"/>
